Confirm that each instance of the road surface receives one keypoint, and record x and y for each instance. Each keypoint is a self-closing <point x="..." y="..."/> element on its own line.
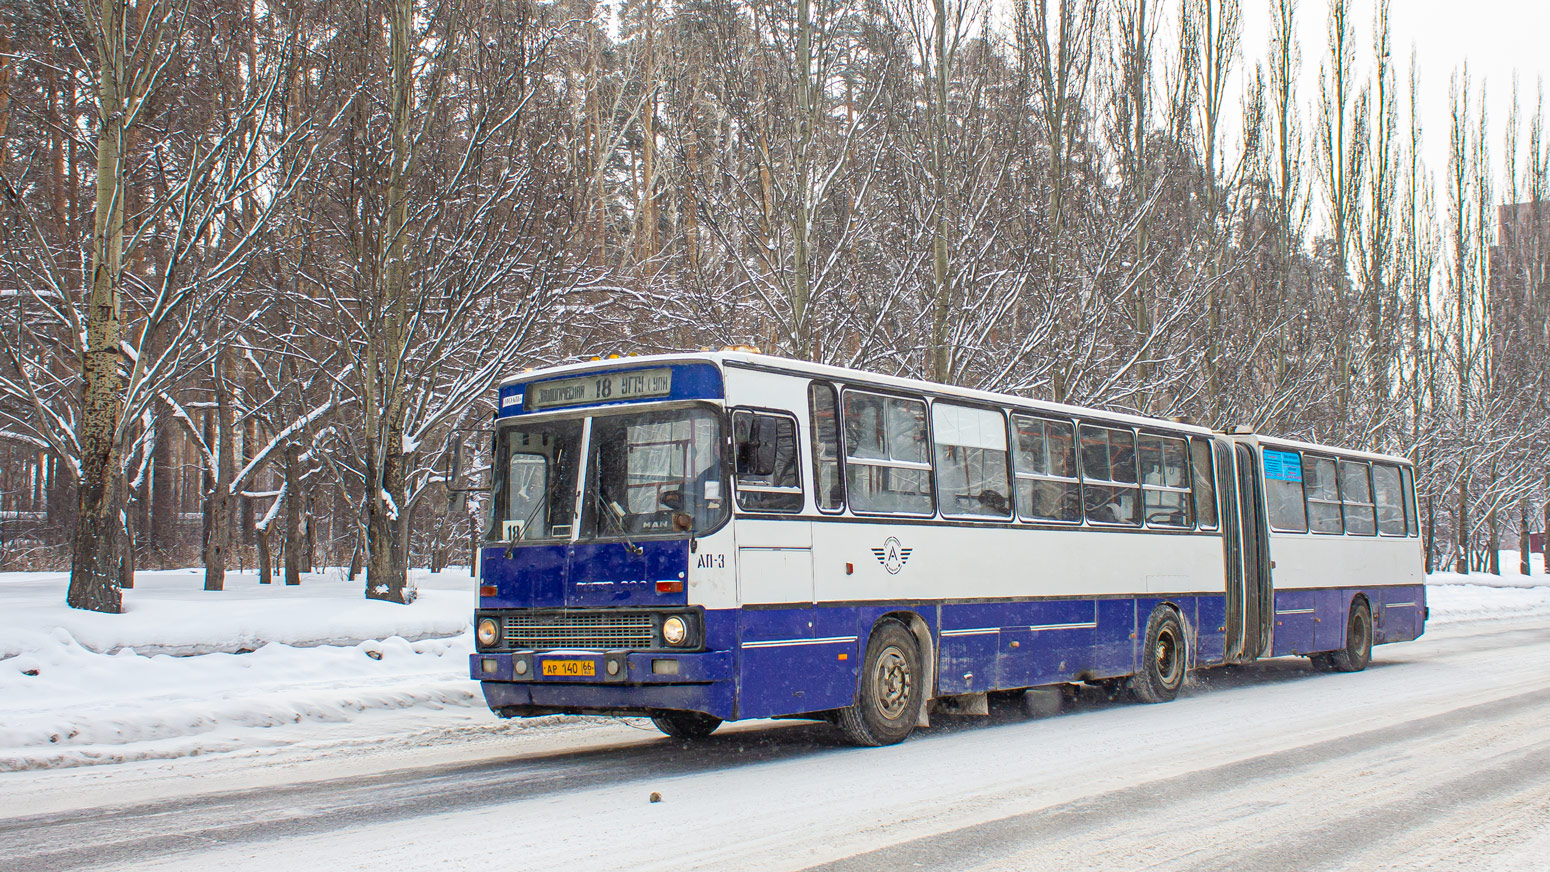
<point x="1436" y="757"/>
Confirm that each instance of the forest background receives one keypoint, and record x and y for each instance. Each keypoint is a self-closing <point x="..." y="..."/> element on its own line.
<point x="261" y="263"/>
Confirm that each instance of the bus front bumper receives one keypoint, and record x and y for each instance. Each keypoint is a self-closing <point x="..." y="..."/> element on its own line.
<point x="527" y="683"/>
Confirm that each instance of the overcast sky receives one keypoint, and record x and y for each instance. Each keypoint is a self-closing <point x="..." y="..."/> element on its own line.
<point x="1496" y="37"/>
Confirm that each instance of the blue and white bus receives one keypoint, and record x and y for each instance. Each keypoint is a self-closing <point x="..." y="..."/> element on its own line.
<point x="708" y="537"/>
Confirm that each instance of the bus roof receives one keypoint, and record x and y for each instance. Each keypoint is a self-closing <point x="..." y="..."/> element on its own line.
<point x="1295" y="445"/>
<point x="754" y="360"/>
<point x="844" y="374"/>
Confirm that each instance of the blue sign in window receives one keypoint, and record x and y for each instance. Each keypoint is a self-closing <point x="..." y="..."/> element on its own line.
<point x="1283" y="465"/>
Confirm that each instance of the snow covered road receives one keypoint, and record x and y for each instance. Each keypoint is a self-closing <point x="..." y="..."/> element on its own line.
<point x="1438" y="757"/>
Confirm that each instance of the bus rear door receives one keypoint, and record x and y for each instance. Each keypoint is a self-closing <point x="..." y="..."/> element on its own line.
<point x="1254" y="545"/>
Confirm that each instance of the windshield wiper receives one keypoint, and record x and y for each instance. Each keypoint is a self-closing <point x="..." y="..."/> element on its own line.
<point x="615" y="514"/>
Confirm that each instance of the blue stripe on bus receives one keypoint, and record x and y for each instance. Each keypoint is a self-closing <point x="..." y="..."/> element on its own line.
<point x="803" y="660"/>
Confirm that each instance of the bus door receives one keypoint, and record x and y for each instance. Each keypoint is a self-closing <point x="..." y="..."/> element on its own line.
<point x="1232" y="550"/>
<point x="1254" y="538"/>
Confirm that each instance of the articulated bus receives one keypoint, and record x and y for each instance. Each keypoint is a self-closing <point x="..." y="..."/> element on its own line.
<point x="700" y="538"/>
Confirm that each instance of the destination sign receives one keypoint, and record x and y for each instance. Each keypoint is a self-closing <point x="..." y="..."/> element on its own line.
<point x="607" y="387"/>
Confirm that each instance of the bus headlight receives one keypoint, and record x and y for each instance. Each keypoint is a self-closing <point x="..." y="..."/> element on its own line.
<point x="675" y="631"/>
<point x="488" y="632"/>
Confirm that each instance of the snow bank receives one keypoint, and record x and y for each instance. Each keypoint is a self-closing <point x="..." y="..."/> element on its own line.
<point x="1482" y="596"/>
<point x="171" y="613"/>
<point x="79" y="687"/>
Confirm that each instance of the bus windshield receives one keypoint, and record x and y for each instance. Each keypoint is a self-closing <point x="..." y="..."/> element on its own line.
<point x="535" y="481"/>
<point x="647" y="469"/>
<point x="649" y="473"/>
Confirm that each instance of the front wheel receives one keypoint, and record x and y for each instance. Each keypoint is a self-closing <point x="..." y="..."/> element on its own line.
<point x="686" y="725"/>
<point x="1161" y="672"/>
<point x="889" y="698"/>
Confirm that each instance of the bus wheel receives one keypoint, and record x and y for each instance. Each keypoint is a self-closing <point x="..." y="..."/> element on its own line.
<point x="888" y="704"/>
<point x="686" y="725"/>
<point x="1357" y="652"/>
<point x="1161" y="672"/>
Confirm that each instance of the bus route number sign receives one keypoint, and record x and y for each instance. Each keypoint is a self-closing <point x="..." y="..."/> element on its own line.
<point x="606" y="387"/>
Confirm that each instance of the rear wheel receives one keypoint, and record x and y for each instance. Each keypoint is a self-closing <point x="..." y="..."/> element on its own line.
<point x="889" y="698"/>
<point x="1161" y="672"/>
<point x="1357" y="652"/>
<point x="686" y="725"/>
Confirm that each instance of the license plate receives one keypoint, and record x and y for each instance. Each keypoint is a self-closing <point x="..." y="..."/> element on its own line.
<point x="569" y="668"/>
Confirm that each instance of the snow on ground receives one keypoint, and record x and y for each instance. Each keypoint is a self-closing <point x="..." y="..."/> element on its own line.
<point x="186" y="673"/>
<point x="1480" y="595"/>
<point x="171" y="613"/>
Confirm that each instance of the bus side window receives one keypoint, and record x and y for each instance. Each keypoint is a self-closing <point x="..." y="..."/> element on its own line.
<point x="1412" y="520"/>
<point x="1110" y="493"/>
<point x="827" y="483"/>
<point x="1356" y="497"/>
<point x="1204" y="481"/>
<point x="887" y="455"/>
<point x="765" y="448"/>
<point x="1389" y="495"/>
<point x="970" y="461"/>
<point x="1283" y="491"/>
<point x="1165" y="481"/>
<point x="1318" y="479"/>
<point x="1045" y="462"/>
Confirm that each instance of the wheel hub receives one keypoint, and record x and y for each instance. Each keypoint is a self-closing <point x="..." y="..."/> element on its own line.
<point x="1167" y="657"/>
<point x="893" y="681"/>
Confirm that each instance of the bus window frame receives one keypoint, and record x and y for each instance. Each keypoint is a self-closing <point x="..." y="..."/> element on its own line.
<point x="1189" y="479"/>
<point x="1264" y="484"/>
<point x="738" y="488"/>
<point x="1076" y="461"/>
<point x="1081" y="464"/>
<point x="1308" y="500"/>
<point x="1371" y="505"/>
<point x="1404" y="513"/>
<point x="1216" y="509"/>
<point x="929" y="468"/>
<point x="1412" y="514"/>
<point x="936" y="484"/>
<point x="839" y="443"/>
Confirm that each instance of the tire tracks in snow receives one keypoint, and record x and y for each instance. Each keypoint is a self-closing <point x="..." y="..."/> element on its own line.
<point x="1261" y="820"/>
<point x="117" y="838"/>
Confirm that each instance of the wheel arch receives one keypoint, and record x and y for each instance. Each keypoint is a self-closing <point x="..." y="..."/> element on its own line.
<point x="1372" y="615"/>
<point x="918" y="628"/>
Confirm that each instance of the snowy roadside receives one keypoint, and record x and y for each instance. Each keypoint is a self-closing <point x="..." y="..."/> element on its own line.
<point x="170" y="613"/>
<point x="185" y="672"/>
<point x="265" y="666"/>
<point x="1481" y="596"/>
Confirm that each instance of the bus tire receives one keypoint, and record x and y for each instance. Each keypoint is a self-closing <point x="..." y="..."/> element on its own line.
<point x="889" y="695"/>
<point x="1357" y="652"/>
<point x="1161" y="671"/>
<point x="686" y="725"/>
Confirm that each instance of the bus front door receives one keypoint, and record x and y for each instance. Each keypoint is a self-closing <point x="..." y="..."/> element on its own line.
<point x="1258" y="608"/>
